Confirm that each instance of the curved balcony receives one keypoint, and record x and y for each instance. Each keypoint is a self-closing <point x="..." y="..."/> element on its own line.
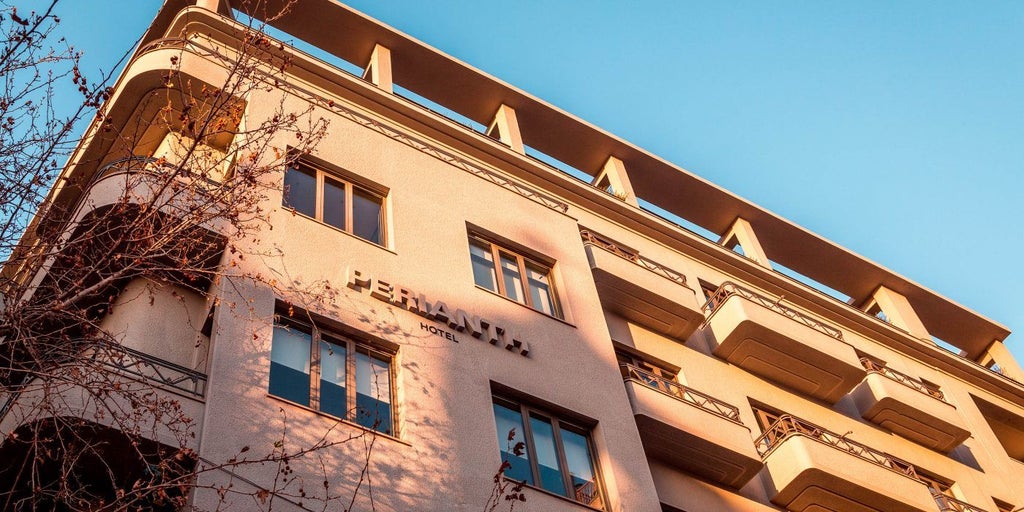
<point x="908" y="407"/>
<point x="123" y="371"/>
<point x="767" y="338"/>
<point x="813" y="469"/>
<point x="641" y="290"/>
<point x="690" y="430"/>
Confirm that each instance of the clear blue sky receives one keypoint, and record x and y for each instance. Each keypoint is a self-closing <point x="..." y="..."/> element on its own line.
<point x="894" y="129"/>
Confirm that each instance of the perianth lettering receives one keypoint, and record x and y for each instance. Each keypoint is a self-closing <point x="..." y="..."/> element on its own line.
<point x="490" y="334"/>
<point x="440" y="312"/>
<point x="406" y="298"/>
<point x="463" y="322"/>
<point x="357" y="280"/>
<point x="380" y="290"/>
<point x="524" y="349"/>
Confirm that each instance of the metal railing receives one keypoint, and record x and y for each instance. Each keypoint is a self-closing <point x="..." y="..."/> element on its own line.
<point x="588" y="493"/>
<point x="590" y="238"/>
<point x="680" y="392"/>
<point x="788" y="426"/>
<point x="876" y="367"/>
<point x="134" y="364"/>
<point x="728" y="289"/>
<point x="146" y="367"/>
<point x="948" y="503"/>
<point x="151" y="165"/>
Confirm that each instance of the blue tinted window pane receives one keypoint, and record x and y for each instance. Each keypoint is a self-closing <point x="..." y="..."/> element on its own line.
<point x="334" y="203"/>
<point x="547" y="455"/>
<point x="581" y="468"/>
<point x="483" y="265"/>
<point x="300" y="191"/>
<point x="332" y="379"/>
<point x="513" y="281"/>
<point x="366" y="216"/>
<point x="289" y="364"/>
<point x="508" y="420"/>
<point x="373" y="392"/>
<point x="540" y="290"/>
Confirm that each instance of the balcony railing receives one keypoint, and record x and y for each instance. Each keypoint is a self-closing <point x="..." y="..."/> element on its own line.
<point x="951" y="504"/>
<point x="728" y="289"/>
<point x="148" y="164"/>
<point x="135" y="364"/>
<point x="902" y="378"/>
<point x="591" y="238"/>
<point x="680" y="392"/>
<point x="146" y="367"/>
<point x="589" y="494"/>
<point x="788" y="426"/>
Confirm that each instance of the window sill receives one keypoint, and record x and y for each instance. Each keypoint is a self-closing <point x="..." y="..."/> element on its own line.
<point x="556" y="495"/>
<point x="520" y="304"/>
<point x="340" y="420"/>
<point x="296" y="213"/>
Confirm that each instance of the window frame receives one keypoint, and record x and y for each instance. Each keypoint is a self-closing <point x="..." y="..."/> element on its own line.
<point x="350" y="185"/>
<point x="557" y="422"/>
<point x="523" y="264"/>
<point x="352" y="346"/>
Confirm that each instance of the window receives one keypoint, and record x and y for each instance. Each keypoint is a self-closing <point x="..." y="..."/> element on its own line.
<point x="519" y="278"/>
<point x="558" y="455"/>
<point x="335" y="202"/>
<point x="332" y="374"/>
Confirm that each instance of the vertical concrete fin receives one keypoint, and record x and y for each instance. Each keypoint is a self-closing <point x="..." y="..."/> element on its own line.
<point x="741" y="234"/>
<point x="614" y="179"/>
<point x="505" y="127"/>
<point x="998" y="357"/>
<point x="897" y="311"/>
<point x="378" y="70"/>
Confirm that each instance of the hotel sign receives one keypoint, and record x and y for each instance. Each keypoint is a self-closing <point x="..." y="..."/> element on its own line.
<point x="438" y="311"/>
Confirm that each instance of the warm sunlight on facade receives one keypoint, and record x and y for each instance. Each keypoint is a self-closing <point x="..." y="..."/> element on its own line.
<point x="429" y="285"/>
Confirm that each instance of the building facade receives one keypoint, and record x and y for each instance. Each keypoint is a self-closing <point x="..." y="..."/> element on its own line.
<point x="434" y="293"/>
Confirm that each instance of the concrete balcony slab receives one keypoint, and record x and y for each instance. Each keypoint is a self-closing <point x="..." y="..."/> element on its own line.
<point x="645" y="293"/>
<point x="693" y="432"/>
<point x="905" y="411"/>
<point x="777" y="347"/>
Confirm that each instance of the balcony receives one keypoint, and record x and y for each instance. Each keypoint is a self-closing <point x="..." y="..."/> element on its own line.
<point x="908" y="407"/>
<point x="767" y="338"/>
<point x="690" y="430"/>
<point x="641" y="290"/>
<point x="812" y="469"/>
<point x="950" y="504"/>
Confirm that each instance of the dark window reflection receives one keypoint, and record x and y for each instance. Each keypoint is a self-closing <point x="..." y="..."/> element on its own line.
<point x="366" y="215"/>
<point x="300" y="191"/>
<point x="334" y="203"/>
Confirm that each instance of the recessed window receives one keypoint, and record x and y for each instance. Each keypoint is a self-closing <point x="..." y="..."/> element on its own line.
<point x="332" y="374"/>
<point x="336" y="202"/>
<point x="555" y="455"/>
<point x="513" y="275"/>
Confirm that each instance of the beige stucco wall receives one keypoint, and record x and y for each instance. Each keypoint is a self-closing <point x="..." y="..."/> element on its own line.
<point x="446" y="452"/>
